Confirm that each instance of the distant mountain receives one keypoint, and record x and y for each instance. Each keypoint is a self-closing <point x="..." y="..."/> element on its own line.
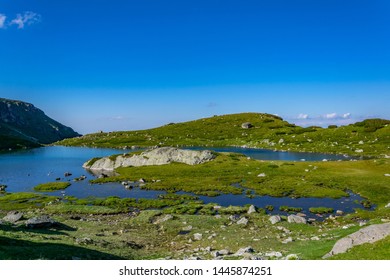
<point x="22" y="125"/>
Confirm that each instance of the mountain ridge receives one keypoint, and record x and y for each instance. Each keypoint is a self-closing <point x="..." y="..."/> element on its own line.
<point x="22" y="125"/>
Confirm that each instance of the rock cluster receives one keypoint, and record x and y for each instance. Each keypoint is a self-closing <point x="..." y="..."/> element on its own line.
<point x="158" y="156"/>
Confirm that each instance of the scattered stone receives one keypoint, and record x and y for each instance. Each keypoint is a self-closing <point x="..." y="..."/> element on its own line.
<point x="361" y="142"/>
<point x="220" y="253"/>
<point x="339" y="212"/>
<point x="261" y="175"/>
<point x="274" y="255"/>
<point x="387" y="175"/>
<point x="288" y="240"/>
<point x="84" y="241"/>
<point x="187" y="228"/>
<point x="359" y="151"/>
<point x="284" y="230"/>
<point x="142" y="180"/>
<point x="243" y="221"/>
<point x="125" y="183"/>
<point x="13" y="217"/>
<point x="246" y="125"/>
<point x="198" y="236"/>
<point x="368" y="234"/>
<point x="315" y="238"/>
<point x="41" y="222"/>
<point x="296" y="219"/>
<point x="252" y="209"/>
<point x="234" y="218"/>
<point x="388" y="205"/>
<point x="275" y="219"/>
<point x="362" y="223"/>
<point x="246" y="250"/>
<point x="292" y="257"/>
<point x="162" y="219"/>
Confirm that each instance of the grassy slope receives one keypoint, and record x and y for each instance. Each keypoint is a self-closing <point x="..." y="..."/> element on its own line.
<point x="267" y="132"/>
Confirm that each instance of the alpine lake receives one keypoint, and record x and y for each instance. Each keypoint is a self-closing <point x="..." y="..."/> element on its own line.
<point x="22" y="170"/>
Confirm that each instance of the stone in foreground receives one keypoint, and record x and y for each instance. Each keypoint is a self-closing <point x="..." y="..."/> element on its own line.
<point x="368" y="234"/>
<point x="41" y="222"/>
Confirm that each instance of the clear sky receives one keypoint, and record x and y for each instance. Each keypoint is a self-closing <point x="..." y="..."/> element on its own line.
<point x="133" y="64"/>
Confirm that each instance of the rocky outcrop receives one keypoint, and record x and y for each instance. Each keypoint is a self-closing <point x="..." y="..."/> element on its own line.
<point x="369" y="234"/>
<point x="41" y="222"/>
<point x="158" y="156"/>
<point x="13" y="217"/>
<point x="23" y="125"/>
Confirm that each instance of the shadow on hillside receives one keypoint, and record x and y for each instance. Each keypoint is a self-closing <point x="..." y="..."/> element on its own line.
<point x="21" y="248"/>
<point x="16" y="249"/>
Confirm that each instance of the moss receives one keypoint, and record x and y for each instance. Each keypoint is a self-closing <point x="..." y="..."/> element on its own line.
<point x="53" y="186"/>
<point x="290" y="209"/>
<point x="321" y="210"/>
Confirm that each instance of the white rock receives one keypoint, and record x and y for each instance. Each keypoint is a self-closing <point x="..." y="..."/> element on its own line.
<point x="252" y="209"/>
<point x="275" y="219"/>
<point x="261" y="175"/>
<point x="274" y="255"/>
<point x="359" y="151"/>
<point x="198" y="236"/>
<point x="296" y="219"/>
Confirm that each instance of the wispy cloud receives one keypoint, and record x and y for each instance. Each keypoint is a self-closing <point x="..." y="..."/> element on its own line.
<point x="2" y="20"/>
<point x="303" y="117"/>
<point x="323" y="120"/>
<point x="27" y="18"/>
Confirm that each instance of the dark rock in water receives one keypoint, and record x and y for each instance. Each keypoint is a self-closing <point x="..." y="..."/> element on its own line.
<point x="58" y="179"/>
<point x="41" y="222"/>
<point x="2" y="188"/>
<point x="13" y="216"/>
<point x="67" y="174"/>
<point x="246" y="125"/>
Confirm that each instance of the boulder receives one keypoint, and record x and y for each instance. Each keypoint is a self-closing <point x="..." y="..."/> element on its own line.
<point x="13" y="217"/>
<point x="41" y="222"/>
<point x="275" y="219"/>
<point x="198" y="236"/>
<point x="252" y="209"/>
<point x="368" y="234"/>
<point x="243" y="251"/>
<point x="296" y="219"/>
<point x="161" y="219"/>
<point x="243" y="221"/>
<point x="158" y="156"/>
<point x="246" y="125"/>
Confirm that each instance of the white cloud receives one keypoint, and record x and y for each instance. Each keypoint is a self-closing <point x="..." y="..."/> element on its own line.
<point x="27" y="18"/>
<point x="303" y="116"/>
<point x="346" y="115"/>
<point x="2" y="20"/>
<point x="331" y="116"/>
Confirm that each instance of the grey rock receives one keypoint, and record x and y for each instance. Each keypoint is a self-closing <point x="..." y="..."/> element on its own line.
<point x="368" y="234"/>
<point x="187" y="228"/>
<point x="84" y="241"/>
<point x="158" y="156"/>
<point x="288" y="240"/>
<point x="41" y="222"/>
<point x="234" y="218"/>
<point x="296" y="219"/>
<point x="220" y="253"/>
<point x="246" y="250"/>
<point x="2" y="188"/>
<point x="292" y="257"/>
<point x="252" y="209"/>
<point x="246" y="125"/>
<point x="274" y="255"/>
<point x="275" y="219"/>
<point x="388" y="205"/>
<point x="243" y="221"/>
<point x="198" y="236"/>
<point x="162" y="219"/>
<point x="13" y="217"/>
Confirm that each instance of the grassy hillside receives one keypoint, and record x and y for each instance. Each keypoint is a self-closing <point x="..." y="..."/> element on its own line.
<point x="368" y="138"/>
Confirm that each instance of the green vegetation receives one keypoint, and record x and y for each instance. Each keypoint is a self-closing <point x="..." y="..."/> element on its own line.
<point x="19" y="201"/>
<point x="367" y="138"/>
<point x="290" y="209"/>
<point x="321" y="210"/>
<point x="51" y="187"/>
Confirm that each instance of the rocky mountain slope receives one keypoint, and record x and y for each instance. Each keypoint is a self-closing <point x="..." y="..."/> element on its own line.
<point x="23" y="126"/>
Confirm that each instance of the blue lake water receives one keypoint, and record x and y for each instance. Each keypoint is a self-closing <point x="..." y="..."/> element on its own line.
<point x="22" y="170"/>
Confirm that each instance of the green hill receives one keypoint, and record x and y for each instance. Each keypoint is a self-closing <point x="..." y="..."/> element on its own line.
<point x="24" y="126"/>
<point x="367" y="138"/>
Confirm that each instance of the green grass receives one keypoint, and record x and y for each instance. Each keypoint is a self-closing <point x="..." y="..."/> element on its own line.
<point x="20" y="201"/>
<point x="367" y="138"/>
<point x="321" y="210"/>
<point x="52" y="186"/>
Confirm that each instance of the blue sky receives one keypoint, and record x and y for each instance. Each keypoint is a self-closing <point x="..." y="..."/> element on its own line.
<point x="134" y="64"/>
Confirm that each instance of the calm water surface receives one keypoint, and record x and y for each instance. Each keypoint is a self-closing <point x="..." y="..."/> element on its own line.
<point x="22" y="170"/>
